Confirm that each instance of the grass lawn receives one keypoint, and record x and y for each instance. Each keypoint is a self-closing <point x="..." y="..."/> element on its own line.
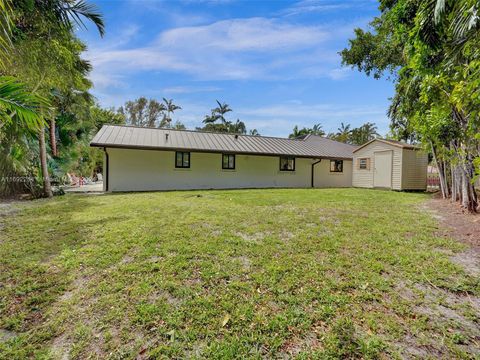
<point x="305" y="273"/>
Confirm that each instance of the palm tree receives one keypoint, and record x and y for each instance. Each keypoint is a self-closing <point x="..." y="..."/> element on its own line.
<point x="343" y="133"/>
<point x="63" y="13"/>
<point x="220" y="111"/>
<point x="217" y="114"/>
<point x="317" y="130"/>
<point x="170" y="108"/>
<point x="363" y="134"/>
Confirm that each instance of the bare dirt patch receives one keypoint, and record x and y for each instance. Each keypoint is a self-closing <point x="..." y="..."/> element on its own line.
<point x="456" y="221"/>
<point x="459" y="224"/>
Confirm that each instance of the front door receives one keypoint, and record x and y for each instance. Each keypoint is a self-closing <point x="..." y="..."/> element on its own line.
<point x="382" y="176"/>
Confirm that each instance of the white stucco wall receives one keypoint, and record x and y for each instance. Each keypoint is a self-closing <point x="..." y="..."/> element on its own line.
<point x="145" y="170"/>
<point x="324" y="178"/>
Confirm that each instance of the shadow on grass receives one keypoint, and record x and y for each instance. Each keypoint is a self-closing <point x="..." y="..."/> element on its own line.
<point x="31" y="240"/>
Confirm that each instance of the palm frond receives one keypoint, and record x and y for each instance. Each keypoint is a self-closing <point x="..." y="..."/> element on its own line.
<point x="16" y="103"/>
<point x="78" y="10"/>
<point x="439" y="10"/>
<point x="5" y="31"/>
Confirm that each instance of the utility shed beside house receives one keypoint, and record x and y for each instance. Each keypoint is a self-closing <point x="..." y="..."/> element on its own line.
<point x="389" y="164"/>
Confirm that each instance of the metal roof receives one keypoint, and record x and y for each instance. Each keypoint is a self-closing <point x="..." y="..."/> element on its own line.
<point x="390" y="142"/>
<point x="133" y="137"/>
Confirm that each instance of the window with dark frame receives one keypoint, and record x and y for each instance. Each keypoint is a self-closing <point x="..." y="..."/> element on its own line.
<point x="228" y="161"/>
<point x="182" y="159"/>
<point x="336" y="166"/>
<point x="363" y="164"/>
<point x="287" y="163"/>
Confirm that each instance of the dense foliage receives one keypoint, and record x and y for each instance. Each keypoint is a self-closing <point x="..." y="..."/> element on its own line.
<point x="355" y="136"/>
<point x="43" y="85"/>
<point x="431" y="49"/>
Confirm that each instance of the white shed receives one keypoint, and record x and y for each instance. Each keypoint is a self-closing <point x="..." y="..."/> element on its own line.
<point x="390" y="164"/>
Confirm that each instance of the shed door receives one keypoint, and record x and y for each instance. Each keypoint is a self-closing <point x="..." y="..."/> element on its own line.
<point x="382" y="176"/>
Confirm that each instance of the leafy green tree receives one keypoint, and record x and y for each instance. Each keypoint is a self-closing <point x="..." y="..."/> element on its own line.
<point x="363" y="134"/>
<point x="142" y="112"/>
<point x="44" y="54"/>
<point x="432" y="50"/>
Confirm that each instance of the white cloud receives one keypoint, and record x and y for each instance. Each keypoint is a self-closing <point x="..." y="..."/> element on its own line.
<point x="252" y="34"/>
<point x="252" y="48"/>
<point x="320" y="6"/>
<point x="279" y="119"/>
<point x="190" y="89"/>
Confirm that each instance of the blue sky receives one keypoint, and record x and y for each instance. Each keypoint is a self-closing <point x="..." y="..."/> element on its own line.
<point x="275" y="62"/>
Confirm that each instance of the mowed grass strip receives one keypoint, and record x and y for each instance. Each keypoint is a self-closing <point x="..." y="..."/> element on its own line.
<point x="307" y="273"/>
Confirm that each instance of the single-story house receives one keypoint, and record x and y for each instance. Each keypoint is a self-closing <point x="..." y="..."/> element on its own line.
<point x="390" y="164"/>
<point x="146" y="159"/>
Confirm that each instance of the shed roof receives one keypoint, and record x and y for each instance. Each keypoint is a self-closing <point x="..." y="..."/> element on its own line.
<point x="390" y="142"/>
<point x="133" y="137"/>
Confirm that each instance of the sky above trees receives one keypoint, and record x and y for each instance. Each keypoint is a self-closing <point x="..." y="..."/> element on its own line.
<point x="275" y="63"/>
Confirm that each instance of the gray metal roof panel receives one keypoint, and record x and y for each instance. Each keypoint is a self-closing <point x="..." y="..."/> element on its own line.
<point x="153" y="138"/>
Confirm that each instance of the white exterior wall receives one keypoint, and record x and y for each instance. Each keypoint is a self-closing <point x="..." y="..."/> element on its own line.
<point x="146" y="170"/>
<point x="324" y="178"/>
<point x="414" y="170"/>
<point x="364" y="178"/>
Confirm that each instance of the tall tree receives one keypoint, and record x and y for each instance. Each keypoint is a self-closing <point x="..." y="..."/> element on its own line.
<point x="217" y="122"/>
<point x="44" y="53"/>
<point x="343" y="133"/>
<point x="144" y="112"/>
<point x="170" y="108"/>
<point x="432" y="49"/>
<point x="363" y="134"/>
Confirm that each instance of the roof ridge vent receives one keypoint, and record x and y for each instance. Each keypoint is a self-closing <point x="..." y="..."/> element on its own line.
<point x="236" y="136"/>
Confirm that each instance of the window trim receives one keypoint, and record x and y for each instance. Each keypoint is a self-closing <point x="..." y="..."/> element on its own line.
<point x="336" y="171"/>
<point x="228" y="161"/>
<point x="288" y="158"/>
<point x="183" y="155"/>
<point x="360" y="163"/>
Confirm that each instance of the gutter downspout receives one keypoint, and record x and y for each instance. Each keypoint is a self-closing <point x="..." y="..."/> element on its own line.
<point x="106" y="169"/>
<point x="313" y="171"/>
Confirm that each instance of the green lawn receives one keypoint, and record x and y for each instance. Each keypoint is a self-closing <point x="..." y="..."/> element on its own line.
<point x="326" y="273"/>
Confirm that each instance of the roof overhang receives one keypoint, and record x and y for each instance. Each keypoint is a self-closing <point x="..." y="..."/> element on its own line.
<point x="156" y="148"/>
<point x="403" y="146"/>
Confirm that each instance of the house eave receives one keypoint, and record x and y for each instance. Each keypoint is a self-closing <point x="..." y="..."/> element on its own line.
<point x="222" y="151"/>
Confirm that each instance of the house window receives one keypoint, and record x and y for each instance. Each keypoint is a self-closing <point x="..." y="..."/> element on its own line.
<point x="287" y="163"/>
<point x="228" y="161"/>
<point x="182" y="159"/>
<point x="336" y="166"/>
<point x="363" y="164"/>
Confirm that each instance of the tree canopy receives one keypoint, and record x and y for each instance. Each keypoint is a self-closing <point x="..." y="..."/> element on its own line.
<point x="430" y="49"/>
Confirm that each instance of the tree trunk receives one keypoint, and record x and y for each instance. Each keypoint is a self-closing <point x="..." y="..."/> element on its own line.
<point x="47" y="188"/>
<point x="455" y="182"/>
<point x="469" y="198"/>
<point x="53" y="139"/>
<point x="441" y="174"/>
<point x="445" y="178"/>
